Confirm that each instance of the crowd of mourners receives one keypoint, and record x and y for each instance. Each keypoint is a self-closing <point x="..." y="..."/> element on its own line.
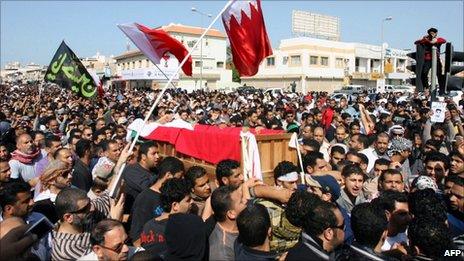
<point x="381" y="181"/>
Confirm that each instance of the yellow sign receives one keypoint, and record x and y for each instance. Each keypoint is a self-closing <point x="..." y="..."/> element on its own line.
<point x="360" y="75"/>
<point x="388" y="66"/>
<point x="376" y="76"/>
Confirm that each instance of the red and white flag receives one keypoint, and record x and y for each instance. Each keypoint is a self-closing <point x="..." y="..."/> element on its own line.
<point x="155" y="43"/>
<point x="244" y="24"/>
<point x="98" y="83"/>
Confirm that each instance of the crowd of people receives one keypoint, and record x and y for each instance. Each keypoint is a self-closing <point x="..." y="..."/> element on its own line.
<point x="381" y="180"/>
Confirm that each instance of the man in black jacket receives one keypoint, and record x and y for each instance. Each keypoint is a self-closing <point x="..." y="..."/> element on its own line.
<point x="82" y="178"/>
<point x="369" y="224"/>
<point x="140" y="176"/>
<point x="254" y="227"/>
<point x="323" y="232"/>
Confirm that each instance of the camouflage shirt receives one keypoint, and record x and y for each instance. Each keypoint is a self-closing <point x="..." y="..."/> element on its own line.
<point x="284" y="234"/>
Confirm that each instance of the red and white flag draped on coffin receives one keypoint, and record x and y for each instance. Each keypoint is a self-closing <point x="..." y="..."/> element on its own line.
<point x="209" y="143"/>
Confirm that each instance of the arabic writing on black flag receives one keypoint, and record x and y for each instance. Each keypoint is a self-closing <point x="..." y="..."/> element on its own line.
<point x="67" y="71"/>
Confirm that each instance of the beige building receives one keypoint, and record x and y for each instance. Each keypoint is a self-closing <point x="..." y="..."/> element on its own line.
<point x="100" y="64"/>
<point x="325" y="65"/>
<point x="134" y="70"/>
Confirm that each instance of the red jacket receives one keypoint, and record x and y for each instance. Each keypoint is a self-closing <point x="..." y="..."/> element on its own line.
<point x="327" y="116"/>
<point x="426" y="42"/>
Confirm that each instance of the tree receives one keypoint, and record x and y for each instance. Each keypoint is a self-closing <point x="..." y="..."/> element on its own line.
<point x="230" y="65"/>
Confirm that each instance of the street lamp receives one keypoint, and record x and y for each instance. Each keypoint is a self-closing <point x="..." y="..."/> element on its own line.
<point x="201" y="44"/>
<point x="388" y="18"/>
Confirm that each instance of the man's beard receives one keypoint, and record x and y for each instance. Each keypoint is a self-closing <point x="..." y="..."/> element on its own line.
<point x="61" y="185"/>
<point x="81" y="222"/>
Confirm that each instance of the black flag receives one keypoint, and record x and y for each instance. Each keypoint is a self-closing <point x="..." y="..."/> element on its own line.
<point x="67" y="71"/>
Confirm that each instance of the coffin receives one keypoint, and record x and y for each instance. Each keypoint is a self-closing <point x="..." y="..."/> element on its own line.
<point x="273" y="148"/>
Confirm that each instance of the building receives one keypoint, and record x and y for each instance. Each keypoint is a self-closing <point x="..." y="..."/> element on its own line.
<point x="100" y="64"/>
<point x="368" y="65"/>
<point x="134" y="70"/>
<point x="325" y="65"/>
<point x="15" y="73"/>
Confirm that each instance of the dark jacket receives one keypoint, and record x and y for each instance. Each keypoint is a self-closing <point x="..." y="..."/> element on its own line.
<point x="47" y="208"/>
<point x="307" y="249"/>
<point x="245" y="253"/>
<point x="82" y="178"/>
<point x="136" y="179"/>
<point x="360" y="253"/>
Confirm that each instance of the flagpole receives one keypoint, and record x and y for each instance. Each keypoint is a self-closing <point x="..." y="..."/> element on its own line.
<point x="113" y="190"/>
<point x="167" y="78"/>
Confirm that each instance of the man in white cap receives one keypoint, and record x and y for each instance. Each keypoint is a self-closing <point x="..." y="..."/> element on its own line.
<point x="399" y="152"/>
<point x="396" y="131"/>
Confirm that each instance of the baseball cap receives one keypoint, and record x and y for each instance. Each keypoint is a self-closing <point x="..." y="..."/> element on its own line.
<point x="310" y="181"/>
<point x="329" y="185"/>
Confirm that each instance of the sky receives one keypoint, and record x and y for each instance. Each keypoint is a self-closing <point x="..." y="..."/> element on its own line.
<point x="31" y="31"/>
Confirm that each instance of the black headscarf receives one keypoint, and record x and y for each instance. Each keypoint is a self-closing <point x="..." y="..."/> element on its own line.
<point x="186" y="238"/>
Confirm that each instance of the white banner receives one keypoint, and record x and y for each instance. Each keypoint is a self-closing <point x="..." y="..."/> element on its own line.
<point x="168" y="66"/>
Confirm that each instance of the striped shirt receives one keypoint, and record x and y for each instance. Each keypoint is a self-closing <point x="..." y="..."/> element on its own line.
<point x="73" y="246"/>
<point x="70" y="246"/>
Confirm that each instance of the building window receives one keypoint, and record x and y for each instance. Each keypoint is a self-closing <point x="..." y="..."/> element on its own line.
<point x="284" y="60"/>
<point x="325" y="61"/>
<point x="270" y="61"/>
<point x="220" y="64"/>
<point x="313" y="60"/>
<point x="339" y="63"/>
<point x="206" y="42"/>
<point x="295" y="60"/>
<point x="133" y="65"/>
<point x="400" y="66"/>
<point x="375" y="65"/>
<point x="147" y="63"/>
<point x="197" y="63"/>
<point x="140" y="64"/>
<point x="191" y="43"/>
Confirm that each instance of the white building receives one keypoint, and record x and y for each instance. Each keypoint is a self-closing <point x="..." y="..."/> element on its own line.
<point x="134" y="70"/>
<point x="368" y="65"/>
<point x="100" y="64"/>
<point x="324" y="65"/>
<point x="15" y="73"/>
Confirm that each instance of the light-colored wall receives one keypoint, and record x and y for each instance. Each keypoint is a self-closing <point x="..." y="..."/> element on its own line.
<point x="319" y="77"/>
